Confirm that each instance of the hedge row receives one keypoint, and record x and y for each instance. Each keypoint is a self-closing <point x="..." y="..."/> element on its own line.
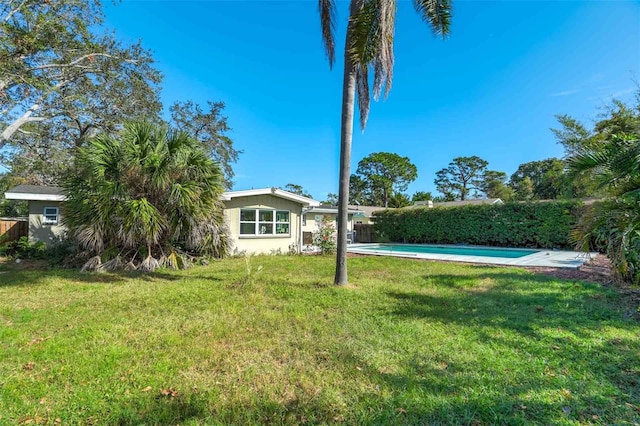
<point x="535" y="225"/>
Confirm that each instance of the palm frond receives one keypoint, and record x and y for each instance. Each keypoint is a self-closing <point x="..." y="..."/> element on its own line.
<point x="384" y="57"/>
<point x="437" y="13"/>
<point x="362" y="93"/>
<point x="327" y="9"/>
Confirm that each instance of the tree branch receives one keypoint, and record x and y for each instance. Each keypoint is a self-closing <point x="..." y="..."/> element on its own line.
<point x="27" y="117"/>
<point x="12" y="12"/>
<point x="77" y="61"/>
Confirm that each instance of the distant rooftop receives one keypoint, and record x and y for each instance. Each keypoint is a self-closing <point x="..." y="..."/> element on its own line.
<point x="468" y="202"/>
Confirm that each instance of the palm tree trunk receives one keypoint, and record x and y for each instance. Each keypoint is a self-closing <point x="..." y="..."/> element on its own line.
<point x="346" y="136"/>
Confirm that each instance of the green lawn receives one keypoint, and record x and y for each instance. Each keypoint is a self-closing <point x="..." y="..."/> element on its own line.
<point x="410" y="342"/>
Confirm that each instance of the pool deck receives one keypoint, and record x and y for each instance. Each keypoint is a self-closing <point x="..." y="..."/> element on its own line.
<point x="544" y="258"/>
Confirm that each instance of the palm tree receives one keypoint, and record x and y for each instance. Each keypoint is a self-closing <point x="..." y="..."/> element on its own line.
<point x="145" y="193"/>
<point x="368" y="48"/>
<point x="615" y="223"/>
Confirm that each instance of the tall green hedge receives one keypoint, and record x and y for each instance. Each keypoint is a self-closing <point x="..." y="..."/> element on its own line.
<point x="533" y="224"/>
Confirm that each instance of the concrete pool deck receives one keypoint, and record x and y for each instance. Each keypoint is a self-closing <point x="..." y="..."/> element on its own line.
<point x="545" y="258"/>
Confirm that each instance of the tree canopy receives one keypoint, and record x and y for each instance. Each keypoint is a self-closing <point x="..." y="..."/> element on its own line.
<point x="494" y="185"/>
<point x="61" y="81"/>
<point x="210" y="127"/>
<point x="297" y="189"/>
<point x="421" y="196"/>
<point x="386" y="174"/>
<point x="541" y="180"/>
<point x="65" y="78"/>
<point x="463" y="175"/>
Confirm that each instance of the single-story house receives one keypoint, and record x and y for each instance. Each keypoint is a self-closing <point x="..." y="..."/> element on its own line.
<point x="364" y="214"/>
<point x="263" y="220"/>
<point x="44" y="210"/>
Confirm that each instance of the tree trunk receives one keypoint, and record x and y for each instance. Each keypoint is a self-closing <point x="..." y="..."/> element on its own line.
<point x="346" y="136"/>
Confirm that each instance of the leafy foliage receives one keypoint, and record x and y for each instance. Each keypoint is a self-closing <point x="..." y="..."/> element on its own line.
<point x="297" y="189"/>
<point x="384" y="175"/>
<point x="11" y="208"/>
<point x="607" y="158"/>
<point x="463" y="175"/>
<point x="331" y="200"/>
<point x="614" y="223"/>
<point x="22" y="248"/>
<point x="546" y="224"/>
<point x="210" y="127"/>
<point x="421" y="196"/>
<point x="62" y="81"/>
<point x="542" y="180"/>
<point x="324" y="237"/>
<point x="146" y="193"/>
<point x="494" y="185"/>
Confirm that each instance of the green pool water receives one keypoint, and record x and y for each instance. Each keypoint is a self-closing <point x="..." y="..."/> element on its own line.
<point x="456" y="250"/>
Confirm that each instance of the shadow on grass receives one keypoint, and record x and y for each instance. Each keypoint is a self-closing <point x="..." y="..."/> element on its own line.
<point x="161" y="410"/>
<point x="210" y="409"/>
<point x="33" y="277"/>
<point x="547" y="319"/>
<point x="519" y="302"/>
<point x="442" y="392"/>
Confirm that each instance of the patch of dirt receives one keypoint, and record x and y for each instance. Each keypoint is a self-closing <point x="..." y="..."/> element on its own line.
<point x="597" y="270"/>
<point x="8" y="264"/>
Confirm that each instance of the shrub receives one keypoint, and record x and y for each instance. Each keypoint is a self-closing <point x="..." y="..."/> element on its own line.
<point x="532" y="224"/>
<point x="325" y="237"/>
<point x="56" y="253"/>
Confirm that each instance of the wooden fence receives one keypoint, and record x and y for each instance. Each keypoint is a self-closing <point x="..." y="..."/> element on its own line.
<point x="13" y="229"/>
<point x="364" y="233"/>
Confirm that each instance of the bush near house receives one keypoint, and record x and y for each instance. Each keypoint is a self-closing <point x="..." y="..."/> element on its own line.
<point x="533" y="224"/>
<point x="325" y="236"/>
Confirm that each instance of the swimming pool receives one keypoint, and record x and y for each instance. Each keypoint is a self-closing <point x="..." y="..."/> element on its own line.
<point x="456" y="250"/>
<point x="476" y="254"/>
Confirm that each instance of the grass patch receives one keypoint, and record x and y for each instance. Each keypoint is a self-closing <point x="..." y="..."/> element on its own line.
<point x="408" y="342"/>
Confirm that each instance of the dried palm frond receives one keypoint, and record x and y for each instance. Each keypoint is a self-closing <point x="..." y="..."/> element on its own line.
<point x="150" y="264"/>
<point x="92" y="264"/>
<point x="111" y="265"/>
<point x="130" y="266"/>
<point x="174" y="261"/>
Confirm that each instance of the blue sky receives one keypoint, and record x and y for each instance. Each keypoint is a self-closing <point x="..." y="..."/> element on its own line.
<point x="491" y="89"/>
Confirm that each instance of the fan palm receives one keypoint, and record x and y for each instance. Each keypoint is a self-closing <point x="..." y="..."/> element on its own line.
<point x="368" y="49"/>
<point x="614" y="224"/>
<point x="146" y="192"/>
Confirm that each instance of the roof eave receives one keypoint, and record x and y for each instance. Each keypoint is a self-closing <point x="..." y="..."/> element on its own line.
<point x="271" y="191"/>
<point x="33" y="197"/>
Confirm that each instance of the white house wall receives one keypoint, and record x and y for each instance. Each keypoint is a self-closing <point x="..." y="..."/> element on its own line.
<point x="262" y="244"/>
<point x="39" y="231"/>
<point x="312" y="219"/>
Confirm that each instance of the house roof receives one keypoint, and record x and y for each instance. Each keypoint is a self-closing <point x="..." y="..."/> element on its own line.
<point x="468" y="202"/>
<point x="55" y="193"/>
<point x="35" y="193"/>
<point x="330" y="209"/>
<point x="367" y="211"/>
<point x="309" y="202"/>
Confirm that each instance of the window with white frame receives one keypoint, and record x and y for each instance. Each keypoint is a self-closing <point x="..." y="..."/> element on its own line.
<point x="264" y="222"/>
<point x="50" y="216"/>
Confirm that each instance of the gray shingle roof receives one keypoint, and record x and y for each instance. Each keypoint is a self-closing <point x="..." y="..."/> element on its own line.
<point x="37" y="189"/>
